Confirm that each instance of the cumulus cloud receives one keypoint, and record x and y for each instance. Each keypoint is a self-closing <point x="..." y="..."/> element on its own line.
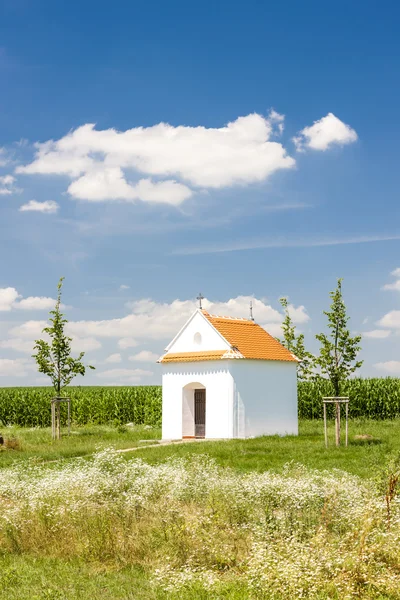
<point x="395" y="286"/>
<point x="35" y="303"/>
<point x="48" y="207"/>
<point x="323" y="134"/>
<point x="377" y="334"/>
<point x="97" y="161"/>
<point x="13" y="367"/>
<point x="150" y="320"/>
<point x="110" y="184"/>
<point x="18" y="345"/>
<point x="124" y="287"/>
<point x="9" y="299"/>
<point x="391" y="320"/>
<point x="8" y="296"/>
<point x="6" y="184"/>
<point x="4" y="160"/>
<point x="30" y="330"/>
<point x="391" y="367"/>
<point x="84" y="344"/>
<point x="144" y="356"/>
<point x="127" y="342"/>
<point x="113" y="358"/>
<point x="124" y="376"/>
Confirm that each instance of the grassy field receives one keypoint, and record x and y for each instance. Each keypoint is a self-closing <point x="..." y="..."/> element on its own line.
<point x="36" y="444"/>
<point x="362" y="457"/>
<point x="267" y="518"/>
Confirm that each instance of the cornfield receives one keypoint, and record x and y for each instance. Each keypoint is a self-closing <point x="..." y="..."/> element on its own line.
<point x="377" y="398"/>
<point x="30" y="407"/>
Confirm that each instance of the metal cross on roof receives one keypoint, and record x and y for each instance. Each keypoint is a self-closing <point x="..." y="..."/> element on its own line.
<point x="200" y="297"/>
<point x="251" y="311"/>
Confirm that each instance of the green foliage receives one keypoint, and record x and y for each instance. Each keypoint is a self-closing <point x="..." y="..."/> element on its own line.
<point x="338" y="352"/>
<point x="295" y="344"/>
<point x="377" y="398"/>
<point x="29" y="407"/>
<point x="54" y="359"/>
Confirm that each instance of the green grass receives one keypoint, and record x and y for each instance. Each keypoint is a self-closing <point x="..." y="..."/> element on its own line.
<point x="273" y="452"/>
<point x="110" y="548"/>
<point x="258" y="454"/>
<point x="37" y="444"/>
<point x="33" y="578"/>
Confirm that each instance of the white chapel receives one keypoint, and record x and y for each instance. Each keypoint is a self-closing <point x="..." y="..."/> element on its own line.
<point x="226" y="377"/>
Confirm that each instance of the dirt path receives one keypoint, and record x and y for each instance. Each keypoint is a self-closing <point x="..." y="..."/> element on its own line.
<point x="159" y="444"/>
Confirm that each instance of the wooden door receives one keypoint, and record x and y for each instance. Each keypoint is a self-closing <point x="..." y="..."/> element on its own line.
<point x="200" y="413"/>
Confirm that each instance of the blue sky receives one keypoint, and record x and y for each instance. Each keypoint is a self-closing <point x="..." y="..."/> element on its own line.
<point x="241" y="149"/>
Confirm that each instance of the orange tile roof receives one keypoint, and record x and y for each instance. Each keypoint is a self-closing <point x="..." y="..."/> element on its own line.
<point x="192" y="356"/>
<point x="250" y="339"/>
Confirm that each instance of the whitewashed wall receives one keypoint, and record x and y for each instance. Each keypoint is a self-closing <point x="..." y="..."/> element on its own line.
<point x="209" y="338"/>
<point x="177" y="401"/>
<point x="265" y="397"/>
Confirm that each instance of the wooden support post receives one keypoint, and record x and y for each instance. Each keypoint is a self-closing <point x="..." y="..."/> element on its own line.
<point x="337" y="438"/>
<point x="69" y="418"/>
<point x="53" y="420"/>
<point x="337" y="401"/>
<point x="58" y="413"/>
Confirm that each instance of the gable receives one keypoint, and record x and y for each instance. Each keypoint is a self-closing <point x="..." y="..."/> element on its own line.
<point x="198" y="336"/>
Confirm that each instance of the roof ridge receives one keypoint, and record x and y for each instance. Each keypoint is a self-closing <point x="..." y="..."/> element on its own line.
<point x="227" y="318"/>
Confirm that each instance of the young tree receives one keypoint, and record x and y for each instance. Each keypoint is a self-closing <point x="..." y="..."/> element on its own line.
<point x="338" y="352"/>
<point x="295" y="343"/>
<point x="54" y="358"/>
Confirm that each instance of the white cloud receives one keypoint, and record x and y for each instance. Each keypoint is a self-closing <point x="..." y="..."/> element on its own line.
<point x="4" y="160"/>
<point x="84" y="344"/>
<point x="47" y="207"/>
<point x="127" y="342"/>
<point x="18" y="345"/>
<point x="150" y="320"/>
<point x="124" y="287"/>
<point x="273" y="329"/>
<point x="391" y="320"/>
<point x="35" y="303"/>
<point x="396" y="284"/>
<point x="13" y="367"/>
<point x="391" y="367"/>
<point x="30" y="330"/>
<point x="7" y="298"/>
<point x="377" y="334"/>
<point x="240" y="153"/>
<point x="298" y="314"/>
<point x="7" y="184"/>
<point x="325" y="133"/>
<point x="113" y="358"/>
<point x="144" y="356"/>
<point x="110" y="184"/>
<point x="24" y="336"/>
<point x="124" y="376"/>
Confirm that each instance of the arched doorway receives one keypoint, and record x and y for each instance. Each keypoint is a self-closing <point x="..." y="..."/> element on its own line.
<point x="194" y="410"/>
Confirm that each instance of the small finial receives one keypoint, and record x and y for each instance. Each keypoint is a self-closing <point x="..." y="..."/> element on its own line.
<point x="200" y="297"/>
<point x="251" y="311"/>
